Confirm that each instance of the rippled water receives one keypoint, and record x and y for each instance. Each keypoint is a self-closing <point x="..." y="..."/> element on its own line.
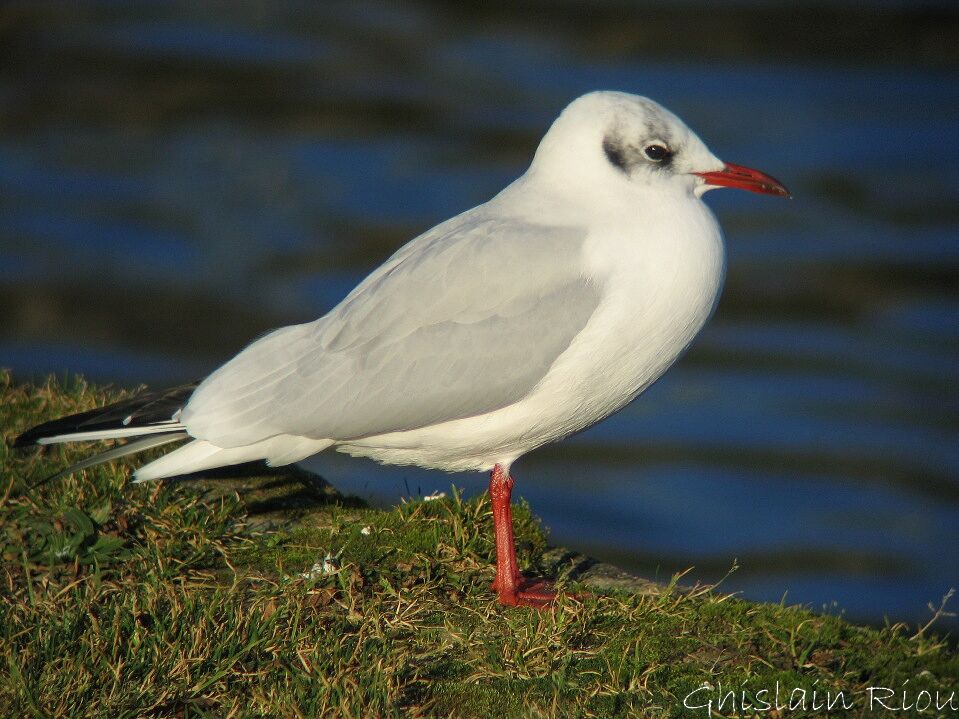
<point x="174" y="181"/>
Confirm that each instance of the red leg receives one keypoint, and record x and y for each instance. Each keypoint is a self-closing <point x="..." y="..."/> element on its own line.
<point x="513" y="589"/>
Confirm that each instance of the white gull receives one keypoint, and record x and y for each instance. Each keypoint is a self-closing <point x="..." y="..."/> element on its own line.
<point x="512" y="325"/>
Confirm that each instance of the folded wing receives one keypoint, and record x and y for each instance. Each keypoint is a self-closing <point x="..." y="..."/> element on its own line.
<point x="460" y="322"/>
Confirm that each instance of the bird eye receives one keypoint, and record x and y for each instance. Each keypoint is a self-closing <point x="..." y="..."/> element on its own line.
<point x="657" y="153"/>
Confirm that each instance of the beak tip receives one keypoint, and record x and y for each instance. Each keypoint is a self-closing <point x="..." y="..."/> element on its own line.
<point x="746" y="178"/>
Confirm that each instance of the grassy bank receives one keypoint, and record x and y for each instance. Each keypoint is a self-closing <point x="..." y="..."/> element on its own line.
<point x="194" y="599"/>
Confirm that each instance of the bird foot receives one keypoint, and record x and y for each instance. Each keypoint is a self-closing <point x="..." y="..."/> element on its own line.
<point x="535" y="593"/>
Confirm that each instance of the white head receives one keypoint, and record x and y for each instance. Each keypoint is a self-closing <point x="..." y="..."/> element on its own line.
<point x="614" y="137"/>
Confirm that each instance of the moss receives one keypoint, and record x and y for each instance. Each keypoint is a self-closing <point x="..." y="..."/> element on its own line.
<point x="198" y="599"/>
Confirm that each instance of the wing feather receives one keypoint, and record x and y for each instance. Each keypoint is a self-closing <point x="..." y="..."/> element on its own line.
<point x="459" y="322"/>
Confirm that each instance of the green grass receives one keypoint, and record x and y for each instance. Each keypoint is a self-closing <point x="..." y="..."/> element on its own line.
<point x="188" y="600"/>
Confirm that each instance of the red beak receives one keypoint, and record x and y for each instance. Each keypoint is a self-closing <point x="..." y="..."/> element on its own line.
<point x="745" y="178"/>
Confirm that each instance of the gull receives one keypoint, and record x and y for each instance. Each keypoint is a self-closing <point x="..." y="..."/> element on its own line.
<point x="512" y="325"/>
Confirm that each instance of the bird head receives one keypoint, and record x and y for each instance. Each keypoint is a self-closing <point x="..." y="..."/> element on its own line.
<point x="618" y="137"/>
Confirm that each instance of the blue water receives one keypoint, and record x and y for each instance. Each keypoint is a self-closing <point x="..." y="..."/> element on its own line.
<point x="174" y="181"/>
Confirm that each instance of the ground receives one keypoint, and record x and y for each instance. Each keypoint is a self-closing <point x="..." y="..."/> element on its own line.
<point x="275" y="596"/>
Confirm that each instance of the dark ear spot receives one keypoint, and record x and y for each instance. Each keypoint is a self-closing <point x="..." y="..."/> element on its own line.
<point x="615" y="154"/>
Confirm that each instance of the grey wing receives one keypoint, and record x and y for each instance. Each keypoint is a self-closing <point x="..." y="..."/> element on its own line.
<point x="462" y="321"/>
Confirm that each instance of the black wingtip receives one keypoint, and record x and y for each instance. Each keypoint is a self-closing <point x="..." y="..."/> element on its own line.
<point x="47" y="429"/>
<point x="142" y="409"/>
<point x="27" y="439"/>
